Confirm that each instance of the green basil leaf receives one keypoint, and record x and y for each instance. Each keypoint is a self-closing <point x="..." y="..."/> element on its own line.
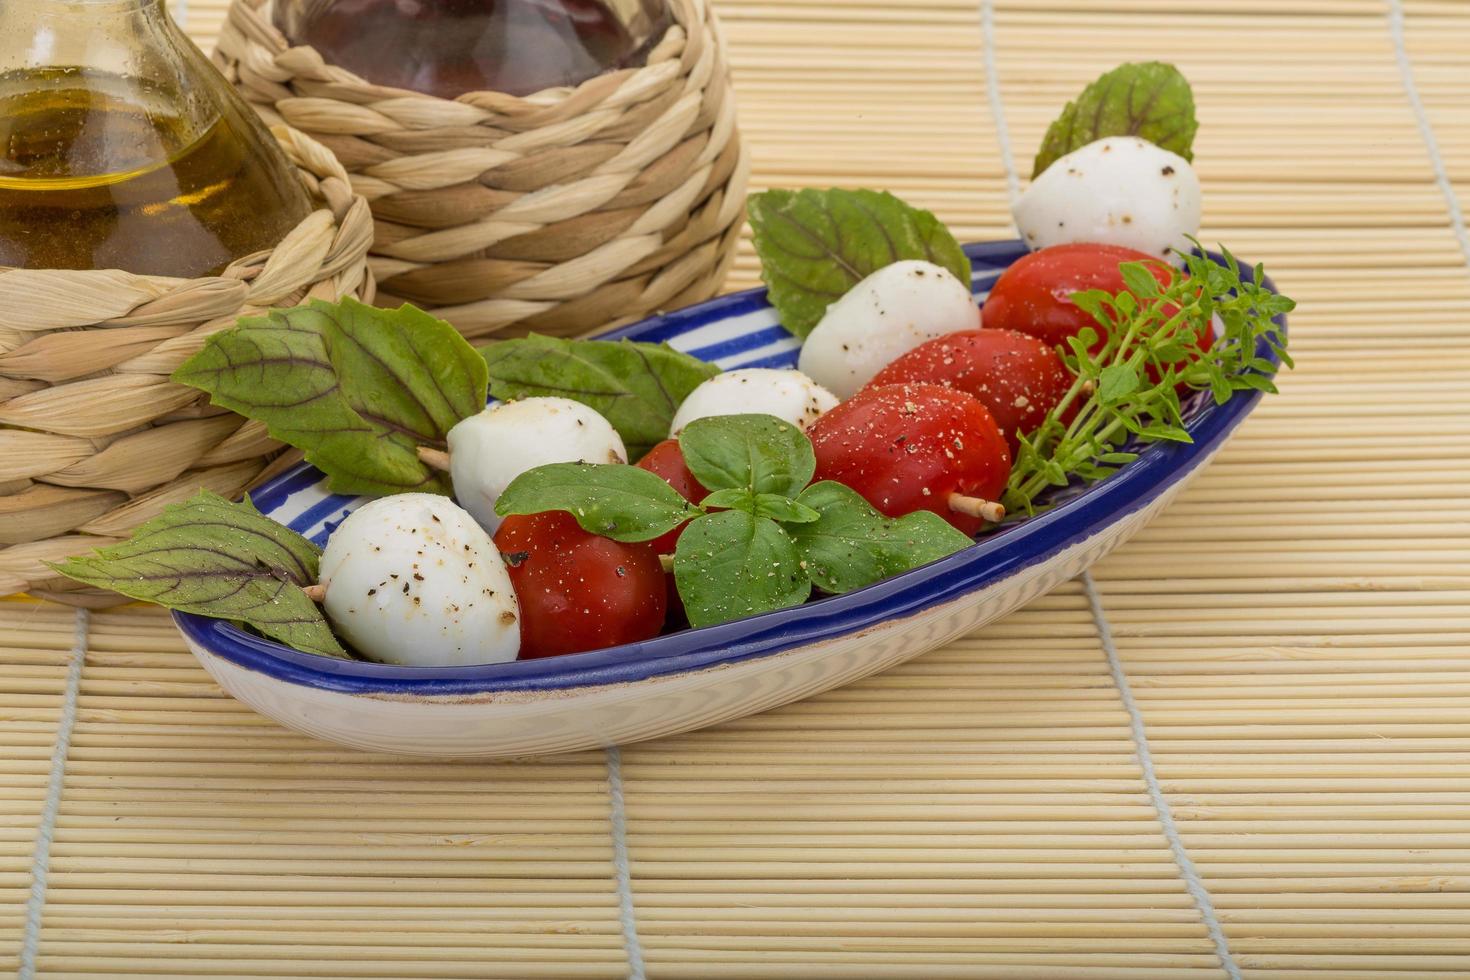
<point x="636" y="386"/>
<point x="1148" y="99"/>
<point x="759" y="453"/>
<point x="214" y="558"/>
<point x="358" y="389"/>
<point x="852" y="545"/>
<point x="1116" y="382"/>
<point x="784" y="509"/>
<point x="733" y="564"/>
<point x="619" y="502"/>
<point x="815" y="245"/>
<point x="731" y="498"/>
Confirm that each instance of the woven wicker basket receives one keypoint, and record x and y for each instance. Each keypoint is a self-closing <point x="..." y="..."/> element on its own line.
<point x="560" y="212"/>
<point x="94" y="438"/>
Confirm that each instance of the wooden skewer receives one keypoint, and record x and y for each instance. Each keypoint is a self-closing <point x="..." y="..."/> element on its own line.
<point x="987" y="510"/>
<point x="667" y="561"/>
<point x="434" y="458"/>
<point x="316" y="593"/>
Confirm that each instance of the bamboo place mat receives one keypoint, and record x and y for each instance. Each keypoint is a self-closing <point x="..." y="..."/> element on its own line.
<point x="1241" y="748"/>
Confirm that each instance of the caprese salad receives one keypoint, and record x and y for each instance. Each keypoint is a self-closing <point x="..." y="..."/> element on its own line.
<point x="614" y="491"/>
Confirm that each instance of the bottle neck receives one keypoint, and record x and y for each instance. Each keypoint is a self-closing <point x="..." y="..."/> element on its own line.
<point x="123" y="37"/>
<point x="131" y="49"/>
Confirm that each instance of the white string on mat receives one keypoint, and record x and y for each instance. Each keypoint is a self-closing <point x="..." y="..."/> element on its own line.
<point x="1426" y="131"/>
<point x="41" y="856"/>
<point x="997" y="107"/>
<point x="1187" y="871"/>
<point x="1192" y="881"/>
<point x="627" y="911"/>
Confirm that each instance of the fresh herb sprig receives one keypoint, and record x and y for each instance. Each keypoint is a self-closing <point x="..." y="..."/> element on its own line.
<point x="1129" y="389"/>
<point x="763" y="539"/>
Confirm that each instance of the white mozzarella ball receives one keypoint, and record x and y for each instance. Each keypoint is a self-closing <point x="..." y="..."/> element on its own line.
<point x="786" y="394"/>
<point x="1121" y="190"/>
<point x="882" y="318"/>
<point x="489" y="450"/>
<point x="413" y="580"/>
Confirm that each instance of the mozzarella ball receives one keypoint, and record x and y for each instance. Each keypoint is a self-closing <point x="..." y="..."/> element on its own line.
<point x="882" y="318"/>
<point x="489" y="450"/>
<point x="413" y="580"/>
<point x="786" y="394"/>
<point x="1121" y="190"/>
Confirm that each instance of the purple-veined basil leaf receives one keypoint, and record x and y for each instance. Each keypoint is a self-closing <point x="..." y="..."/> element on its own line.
<point x="219" y="559"/>
<point x="358" y="389"/>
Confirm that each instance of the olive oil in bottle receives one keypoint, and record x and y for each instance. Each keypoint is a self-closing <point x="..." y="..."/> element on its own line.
<point x="162" y="171"/>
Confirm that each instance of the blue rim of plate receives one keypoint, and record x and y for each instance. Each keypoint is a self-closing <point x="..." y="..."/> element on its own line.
<point x="1008" y="551"/>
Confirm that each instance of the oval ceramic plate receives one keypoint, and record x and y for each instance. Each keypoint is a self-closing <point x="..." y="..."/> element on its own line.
<point x="698" y="677"/>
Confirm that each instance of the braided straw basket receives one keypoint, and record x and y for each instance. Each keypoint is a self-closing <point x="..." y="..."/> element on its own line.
<point x="94" y="437"/>
<point x="560" y="212"/>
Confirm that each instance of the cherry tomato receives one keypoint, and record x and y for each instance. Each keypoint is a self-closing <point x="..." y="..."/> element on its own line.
<point x="908" y="447"/>
<point x="666" y="460"/>
<point x="1014" y="375"/>
<point x="1032" y="295"/>
<point x="578" y="591"/>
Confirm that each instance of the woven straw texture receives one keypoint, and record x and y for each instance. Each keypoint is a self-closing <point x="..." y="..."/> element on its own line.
<point x="1293" y="631"/>
<point x="561" y="212"/>
<point x="103" y="440"/>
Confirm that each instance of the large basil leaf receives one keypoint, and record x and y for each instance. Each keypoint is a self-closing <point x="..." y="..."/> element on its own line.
<point x="358" y="389"/>
<point x="733" y="564"/>
<point x="815" y="245"/>
<point x="852" y="545"/>
<point x="214" y="558"/>
<point x="620" y="502"/>
<point x="1151" y="100"/>
<point x="636" y="386"/>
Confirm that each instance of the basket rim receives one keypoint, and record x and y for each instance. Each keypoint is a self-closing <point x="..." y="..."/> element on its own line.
<point x="686" y="12"/>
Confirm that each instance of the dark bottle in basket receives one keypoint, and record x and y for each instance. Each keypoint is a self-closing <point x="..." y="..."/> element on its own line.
<point x="121" y="147"/>
<point x="449" y="47"/>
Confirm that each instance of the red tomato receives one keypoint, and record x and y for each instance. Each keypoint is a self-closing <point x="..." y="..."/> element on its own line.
<point x="908" y="447"/>
<point x="1032" y="295"/>
<point x="1016" y="376"/>
<point x="667" y="461"/>
<point x="578" y="591"/>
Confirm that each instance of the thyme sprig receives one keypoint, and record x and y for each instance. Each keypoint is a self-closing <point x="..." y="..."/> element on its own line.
<point x="1129" y="389"/>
